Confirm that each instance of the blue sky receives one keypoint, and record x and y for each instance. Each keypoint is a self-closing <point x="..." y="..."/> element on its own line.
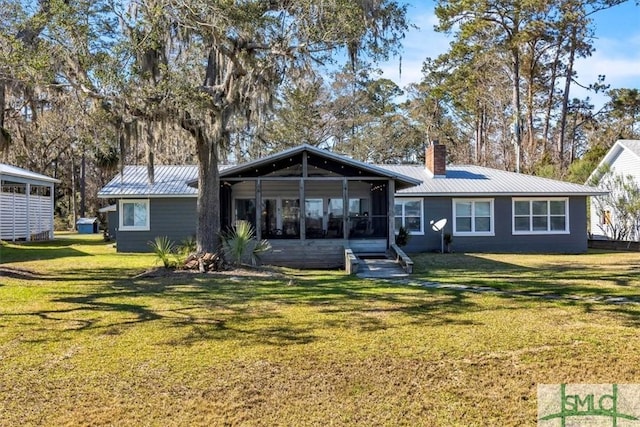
<point x="617" y="45"/>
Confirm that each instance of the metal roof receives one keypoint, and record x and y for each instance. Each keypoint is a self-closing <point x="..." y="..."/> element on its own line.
<point x="110" y="208"/>
<point x="479" y="181"/>
<point x="632" y="145"/>
<point x="86" y="221"/>
<point x="173" y="181"/>
<point x="24" y="174"/>
<point x="168" y="181"/>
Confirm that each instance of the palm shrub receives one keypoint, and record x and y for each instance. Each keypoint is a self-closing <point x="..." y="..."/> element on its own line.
<point x="163" y="247"/>
<point x="240" y="245"/>
<point x="186" y="247"/>
<point x="402" y="238"/>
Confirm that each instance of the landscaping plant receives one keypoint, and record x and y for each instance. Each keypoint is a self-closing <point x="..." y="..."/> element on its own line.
<point x="163" y="247"/>
<point x="240" y="245"/>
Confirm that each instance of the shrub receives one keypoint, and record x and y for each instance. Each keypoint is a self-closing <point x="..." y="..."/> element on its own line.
<point x="240" y="244"/>
<point x="163" y="247"/>
<point x="187" y="247"/>
<point x="403" y="237"/>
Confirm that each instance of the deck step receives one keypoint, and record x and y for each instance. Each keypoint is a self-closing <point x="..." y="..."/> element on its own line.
<point x="380" y="268"/>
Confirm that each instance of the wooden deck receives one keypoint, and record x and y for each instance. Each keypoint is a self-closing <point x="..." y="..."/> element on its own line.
<point x="318" y="253"/>
<point x="321" y="254"/>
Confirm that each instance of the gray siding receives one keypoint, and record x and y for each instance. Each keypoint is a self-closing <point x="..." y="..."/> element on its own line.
<point x="176" y="219"/>
<point x="112" y="223"/>
<point x="624" y="162"/>
<point x="172" y="217"/>
<point x="436" y="208"/>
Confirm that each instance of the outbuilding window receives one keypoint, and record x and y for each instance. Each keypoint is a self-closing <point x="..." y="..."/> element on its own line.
<point x="134" y="215"/>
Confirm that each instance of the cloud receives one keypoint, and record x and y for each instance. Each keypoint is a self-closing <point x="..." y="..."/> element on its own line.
<point x="618" y="59"/>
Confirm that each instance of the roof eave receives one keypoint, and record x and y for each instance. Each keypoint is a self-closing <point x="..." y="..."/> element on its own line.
<point x="30" y="179"/>
<point x="408" y="181"/>
<point x="502" y="194"/>
<point x="145" y="196"/>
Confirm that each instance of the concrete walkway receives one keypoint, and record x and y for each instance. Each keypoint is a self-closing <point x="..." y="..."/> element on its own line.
<point x="380" y="268"/>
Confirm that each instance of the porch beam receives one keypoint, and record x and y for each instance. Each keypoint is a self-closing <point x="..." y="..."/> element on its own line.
<point x="28" y="213"/>
<point x="312" y="178"/>
<point x="303" y="213"/>
<point x="305" y="165"/>
<point x="258" y="209"/>
<point x="391" y="191"/>
<point x="52" y="207"/>
<point x="345" y="208"/>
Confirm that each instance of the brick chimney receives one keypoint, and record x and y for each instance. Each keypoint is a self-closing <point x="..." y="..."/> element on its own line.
<point x="436" y="159"/>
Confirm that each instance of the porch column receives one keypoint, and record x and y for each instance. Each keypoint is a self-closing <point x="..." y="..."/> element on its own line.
<point x="13" y="222"/>
<point x="345" y="208"/>
<point x="28" y="213"/>
<point x="303" y="213"/>
<point x="303" y="207"/>
<point x="391" y="190"/>
<point x="52" y="207"/>
<point x="258" y="209"/>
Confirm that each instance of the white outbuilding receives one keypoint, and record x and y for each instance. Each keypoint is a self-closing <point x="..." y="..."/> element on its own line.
<point x="26" y="204"/>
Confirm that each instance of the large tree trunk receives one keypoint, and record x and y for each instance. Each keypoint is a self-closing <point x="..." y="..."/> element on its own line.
<point x="3" y="101"/>
<point x="208" y="229"/>
<point x="150" y="148"/>
<point x="5" y="137"/>
<point x="565" y="99"/>
<point x="208" y="208"/>
<point x="550" y="100"/>
<point x="517" y="110"/>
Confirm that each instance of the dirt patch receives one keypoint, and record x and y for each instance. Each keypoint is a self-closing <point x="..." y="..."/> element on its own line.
<point x="240" y="272"/>
<point x="17" y="273"/>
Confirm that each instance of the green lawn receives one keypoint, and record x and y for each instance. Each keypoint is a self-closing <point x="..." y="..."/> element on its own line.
<point x="85" y="342"/>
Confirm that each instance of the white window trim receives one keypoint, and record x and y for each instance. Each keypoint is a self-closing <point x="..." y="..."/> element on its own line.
<point x="567" y="229"/>
<point x="122" y="227"/>
<point x="410" y="199"/>
<point x="490" y="233"/>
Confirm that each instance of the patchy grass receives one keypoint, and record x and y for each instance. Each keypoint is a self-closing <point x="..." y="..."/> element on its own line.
<point x="592" y="274"/>
<point x="85" y="340"/>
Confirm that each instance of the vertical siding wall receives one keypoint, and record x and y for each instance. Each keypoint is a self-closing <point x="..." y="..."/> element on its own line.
<point x="624" y="163"/>
<point x="23" y="216"/>
<point x="172" y="217"/>
<point x="436" y="208"/>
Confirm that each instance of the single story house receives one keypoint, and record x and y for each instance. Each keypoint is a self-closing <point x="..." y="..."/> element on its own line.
<point x="311" y="203"/>
<point x="26" y="204"/>
<point x="623" y="158"/>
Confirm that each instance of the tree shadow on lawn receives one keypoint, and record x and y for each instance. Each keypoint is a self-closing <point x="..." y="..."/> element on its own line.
<point x="276" y="310"/>
<point x="558" y="279"/>
<point x="264" y="310"/>
<point x="80" y="275"/>
<point x="424" y="306"/>
<point x="44" y="250"/>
